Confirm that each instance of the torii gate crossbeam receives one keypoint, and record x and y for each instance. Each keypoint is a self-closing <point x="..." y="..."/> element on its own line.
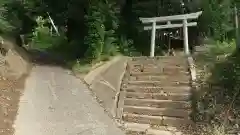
<point x="168" y="19"/>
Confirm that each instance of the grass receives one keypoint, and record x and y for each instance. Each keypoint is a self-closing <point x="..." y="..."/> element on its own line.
<point x="83" y="66"/>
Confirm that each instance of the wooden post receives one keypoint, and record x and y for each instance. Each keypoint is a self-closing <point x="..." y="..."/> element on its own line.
<point x="153" y="39"/>
<point x="185" y="33"/>
<point x="54" y="26"/>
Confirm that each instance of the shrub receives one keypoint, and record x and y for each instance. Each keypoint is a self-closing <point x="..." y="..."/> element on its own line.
<point x="43" y="38"/>
<point x="102" y="24"/>
<point x="219" y="102"/>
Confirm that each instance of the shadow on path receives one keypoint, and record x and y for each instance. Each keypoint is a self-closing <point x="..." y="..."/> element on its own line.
<point x="39" y="57"/>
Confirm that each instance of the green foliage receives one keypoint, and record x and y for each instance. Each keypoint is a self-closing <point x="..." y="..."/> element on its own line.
<point x="5" y="25"/>
<point x="217" y="20"/>
<point x="42" y="37"/>
<point x="102" y="20"/>
<point x="102" y="24"/>
<point x="126" y="47"/>
<point x="222" y="48"/>
<point x="97" y="29"/>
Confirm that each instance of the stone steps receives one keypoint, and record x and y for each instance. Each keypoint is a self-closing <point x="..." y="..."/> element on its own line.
<point x="162" y="63"/>
<point x="147" y="129"/>
<point x="155" y="66"/>
<point x="156" y="93"/>
<point x="152" y="111"/>
<point x="157" y="120"/>
<point x="158" y="89"/>
<point x="163" y="59"/>
<point x="159" y="96"/>
<point x="158" y="103"/>
<point x="141" y="77"/>
<point x="158" y="83"/>
<point x="159" y="73"/>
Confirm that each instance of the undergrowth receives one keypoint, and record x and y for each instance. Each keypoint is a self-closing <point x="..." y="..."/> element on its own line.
<point x="102" y="25"/>
<point x="218" y="104"/>
<point x="43" y="38"/>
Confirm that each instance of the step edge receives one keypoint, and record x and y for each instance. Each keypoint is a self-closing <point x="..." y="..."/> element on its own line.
<point x="155" y="100"/>
<point x="147" y="126"/>
<point x="154" y="82"/>
<point x="156" y="117"/>
<point x="169" y="94"/>
<point x="154" y="108"/>
<point x="157" y="87"/>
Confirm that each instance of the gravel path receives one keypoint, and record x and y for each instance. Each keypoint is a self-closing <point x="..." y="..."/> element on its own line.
<point x="56" y="103"/>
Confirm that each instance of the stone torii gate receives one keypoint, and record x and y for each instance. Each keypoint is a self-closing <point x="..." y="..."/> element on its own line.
<point x="168" y="19"/>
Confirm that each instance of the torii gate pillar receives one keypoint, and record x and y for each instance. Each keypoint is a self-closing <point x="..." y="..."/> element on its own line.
<point x="168" y="19"/>
<point x="153" y="36"/>
<point x="185" y="34"/>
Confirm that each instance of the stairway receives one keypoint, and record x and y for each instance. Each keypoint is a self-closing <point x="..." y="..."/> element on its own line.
<point x="157" y="94"/>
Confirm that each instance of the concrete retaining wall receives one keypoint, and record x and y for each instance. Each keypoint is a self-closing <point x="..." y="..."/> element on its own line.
<point x="105" y="82"/>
